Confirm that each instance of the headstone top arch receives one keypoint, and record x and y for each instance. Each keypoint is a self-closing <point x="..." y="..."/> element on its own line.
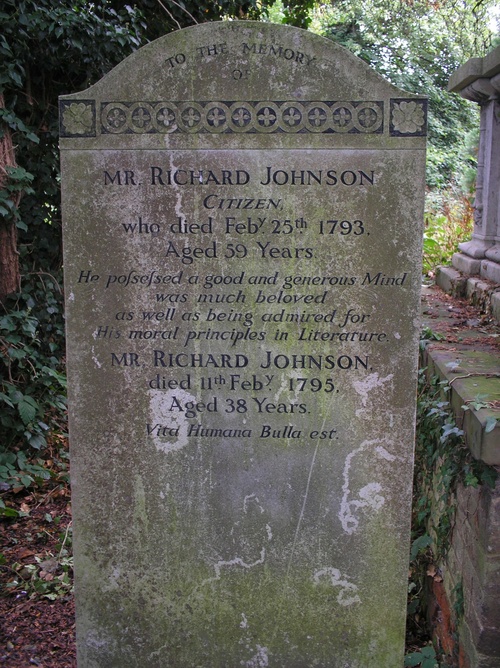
<point x="230" y="85"/>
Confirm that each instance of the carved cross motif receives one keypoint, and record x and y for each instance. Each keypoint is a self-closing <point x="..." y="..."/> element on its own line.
<point x="267" y="117"/>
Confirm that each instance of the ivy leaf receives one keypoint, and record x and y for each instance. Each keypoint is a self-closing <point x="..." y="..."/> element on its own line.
<point x="413" y="659"/>
<point x="489" y="476"/>
<point x="37" y="441"/>
<point x="19" y="173"/>
<point x="491" y="423"/>
<point x="419" y="544"/>
<point x="5" y="398"/>
<point x="16" y="353"/>
<point x="9" y="512"/>
<point x="26" y="480"/>
<point x="27" y="408"/>
<point x="471" y="480"/>
<point x="426" y="658"/>
<point x="413" y="606"/>
<point x="429" y="657"/>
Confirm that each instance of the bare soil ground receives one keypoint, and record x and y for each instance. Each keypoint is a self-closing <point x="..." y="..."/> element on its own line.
<point x="35" y="630"/>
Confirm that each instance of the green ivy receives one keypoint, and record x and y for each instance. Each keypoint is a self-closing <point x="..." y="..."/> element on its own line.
<point x="417" y="46"/>
<point x="49" y="577"/>
<point x="17" y="182"/>
<point x="32" y="377"/>
<point x="425" y="658"/>
<point x="47" y="49"/>
<point x="442" y="462"/>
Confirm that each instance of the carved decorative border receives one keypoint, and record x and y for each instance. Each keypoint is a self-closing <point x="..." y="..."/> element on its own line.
<point x="407" y="117"/>
<point x="77" y="119"/>
<point x="241" y="117"/>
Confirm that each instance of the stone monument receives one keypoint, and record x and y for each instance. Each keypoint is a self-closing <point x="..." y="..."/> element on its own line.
<point x="479" y="81"/>
<point x="243" y="207"/>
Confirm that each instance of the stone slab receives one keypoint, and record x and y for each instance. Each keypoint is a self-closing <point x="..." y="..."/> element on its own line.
<point x="466" y="264"/>
<point x="475" y="68"/>
<point x="475" y="248"/>
<point x="491" y="271"/>
<point x="478" y="291"/>
<point x="493" y="254"/>
<point x="471" y="373"/>
<point x="495" y="305"/>
<point x="243" y="209"/>
<point x="451" y="281"/>
<point x="476" y="659"/>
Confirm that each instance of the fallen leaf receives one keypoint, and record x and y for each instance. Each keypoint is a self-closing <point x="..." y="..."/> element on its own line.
<point x="25" y="552"/>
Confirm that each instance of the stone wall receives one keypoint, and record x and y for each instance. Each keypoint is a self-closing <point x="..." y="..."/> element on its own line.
<point x="464" y="607"/>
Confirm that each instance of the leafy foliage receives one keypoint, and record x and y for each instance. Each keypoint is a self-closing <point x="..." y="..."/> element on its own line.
<point x="35" y="581"/>
<point x="33" y="380"/>
<point x="46" y="49"/>
<point x="17" y="181"/>
<point x="167" y="15"/>
<point x="298" y="12"/>
<point x="448" y="221"/>
<point x="442" y="462"/>
<point x="417" y="46"/>
<point x="50" y="49"/>
<point x="50" y="574"/>
<point x="425" y="658"/>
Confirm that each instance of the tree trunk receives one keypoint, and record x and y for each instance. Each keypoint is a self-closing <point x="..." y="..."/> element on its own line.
<point x="9" y="256"/>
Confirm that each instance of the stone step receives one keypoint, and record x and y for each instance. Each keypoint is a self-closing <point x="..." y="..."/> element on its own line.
<point x="479" y="291"/>
<point x="466" y="355"/>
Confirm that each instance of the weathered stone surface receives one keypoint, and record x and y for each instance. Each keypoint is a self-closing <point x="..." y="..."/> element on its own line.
<point x="450" y="280"/>
<point x="243" y="207"/>
<point x="466" y="264"/>
<point x="475" y="68"/>
<point x="495" y="305"/>
<point x="490" y="271"/>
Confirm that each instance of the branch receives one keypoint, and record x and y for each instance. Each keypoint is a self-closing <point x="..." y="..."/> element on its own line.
<point x="470" y="375"/>
<point x="171" y="15"/>
<point x="183" y="9"/>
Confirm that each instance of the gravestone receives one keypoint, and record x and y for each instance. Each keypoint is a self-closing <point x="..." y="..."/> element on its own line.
<point x="243" y="210"/>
